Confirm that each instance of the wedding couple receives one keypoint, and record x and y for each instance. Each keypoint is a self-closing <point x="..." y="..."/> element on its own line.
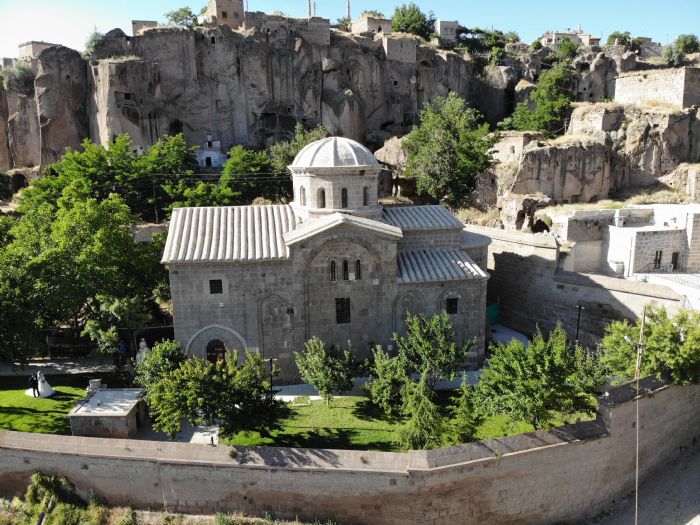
<point x="39" y="386"/>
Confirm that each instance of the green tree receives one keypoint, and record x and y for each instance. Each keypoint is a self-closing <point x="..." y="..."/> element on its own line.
<point x="463" y="422"/>
<point x="372" y="13"/>
<point x="536" y="44"/>
<point x="567" y="49"/>
<point x="687" y="44"/>
<point x="625" y="39"/>
<point x="93" y="42"/>
<point x="408" y="18"/>
<point x="512" y="37"/>
<point x="328" y="369"/>
<point x="387" y="382"/>
<point x="533" y="382"/>
<point x="248" y="172"/>
<point x="428" y="348"/>
<point x="671" y="347"/>
<point x="235" y="396"/>
<point x="552" y="98"/>
<point x="344" y="23"/>
<point x="182" y="16"/>
<point x="447" y="150"/>
<point x="672" y="56"/>
<point x="282" y="154"/>
<point x="497" y="56"/>
<point x="424" y="427"/>
<point x="165" y="356"/>
<point x="79" y="266"/>
<point x="147" y="182"/>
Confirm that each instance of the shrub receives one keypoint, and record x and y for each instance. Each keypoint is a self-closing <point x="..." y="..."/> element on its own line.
<point x="497" y="56"/>
<point x="19" y="77"/>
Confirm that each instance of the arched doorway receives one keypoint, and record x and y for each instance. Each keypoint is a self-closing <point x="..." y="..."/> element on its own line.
<point x="199" y="343"/>
<point x="216" y="350"/>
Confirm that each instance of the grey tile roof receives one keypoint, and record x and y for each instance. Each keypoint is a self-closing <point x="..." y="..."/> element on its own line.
<point x="228" y="233"/>
<point x="431" y="217"/>
<point x="439" y="264"/>
<point x="313" y="227"/>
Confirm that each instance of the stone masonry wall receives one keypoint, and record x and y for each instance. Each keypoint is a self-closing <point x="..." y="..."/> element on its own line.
<point x="525" y="280"/>
<point x="665" y="85"/>
<point x="565" y="474"/>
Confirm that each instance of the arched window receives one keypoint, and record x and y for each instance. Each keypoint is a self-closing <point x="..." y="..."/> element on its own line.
<point x="358" y="270"/>
<point x="333" y="273"/>
<point x="365" y="196"/>
<point x="346" y="270"/>
<point x="344" y="198"/>
<point x="302" y="196"/>
<point x="321" y="198"/>
<point x="216" y="351"/>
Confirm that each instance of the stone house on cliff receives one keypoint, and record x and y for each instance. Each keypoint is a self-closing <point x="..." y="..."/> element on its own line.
<point x="334" y="264"/>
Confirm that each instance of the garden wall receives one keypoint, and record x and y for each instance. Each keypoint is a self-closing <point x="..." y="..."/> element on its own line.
<point x="527" y="281"/>
<point x="564" y="474"/>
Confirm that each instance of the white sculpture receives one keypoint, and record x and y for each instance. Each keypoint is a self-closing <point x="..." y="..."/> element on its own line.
<point x="143" y="351"/>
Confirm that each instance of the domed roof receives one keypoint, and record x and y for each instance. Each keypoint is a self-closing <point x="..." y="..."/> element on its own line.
<point x="334" y="152"/>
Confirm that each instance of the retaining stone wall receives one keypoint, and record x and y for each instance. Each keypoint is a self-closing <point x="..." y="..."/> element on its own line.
<point x="542" y="477"/>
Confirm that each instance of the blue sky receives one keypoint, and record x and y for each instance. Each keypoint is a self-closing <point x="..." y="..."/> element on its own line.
<point x="69" y="22"/>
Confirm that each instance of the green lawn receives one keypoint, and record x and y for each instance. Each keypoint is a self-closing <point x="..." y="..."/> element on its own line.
<point x="28" y="414"/>
<point x="353" y="423"/>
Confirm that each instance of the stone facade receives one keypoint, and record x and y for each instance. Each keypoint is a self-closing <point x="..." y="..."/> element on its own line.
<point x="565" y="475"/>
<point x="553" y="38"/>
<point x="512" y="143"/>
<point x="644" y="239"/>
<point x="109" y="413"/>
<point x="223" y="13"/>
<point x="447" y="30"/>
<point x="333" y="264"/>
<point x="400" y="47"/>
<point x="370" y="24"/>
<point x="314" y="30"/>
<point x="30" y="50"/>
<point x="678" y="87"/>
<point x="139" y="26"/>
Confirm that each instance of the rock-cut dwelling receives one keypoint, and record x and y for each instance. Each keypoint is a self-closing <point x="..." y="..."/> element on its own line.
<point x="334" y="264"/>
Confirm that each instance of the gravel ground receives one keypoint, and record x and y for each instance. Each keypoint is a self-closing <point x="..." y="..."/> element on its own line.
<point x="670" y="498"/>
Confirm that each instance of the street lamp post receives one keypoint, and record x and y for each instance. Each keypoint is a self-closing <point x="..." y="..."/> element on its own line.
<point x="271" y="359"/>
<point x="578" y="320"/>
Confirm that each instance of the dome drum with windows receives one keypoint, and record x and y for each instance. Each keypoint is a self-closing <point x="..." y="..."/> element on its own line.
<point x="335" y="174"/>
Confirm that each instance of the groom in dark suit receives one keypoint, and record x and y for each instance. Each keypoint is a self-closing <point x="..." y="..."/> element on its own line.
<point x="34" y="385"/>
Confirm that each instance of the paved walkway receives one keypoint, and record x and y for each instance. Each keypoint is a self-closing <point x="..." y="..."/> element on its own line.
<point x="671" y="497"/>
<point x="200" y="434"/>
<point x="91" y="365"/>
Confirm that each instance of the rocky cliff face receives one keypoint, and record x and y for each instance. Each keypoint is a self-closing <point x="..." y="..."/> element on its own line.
<point x="236" y="87"/>
<point x="5" y="158"/>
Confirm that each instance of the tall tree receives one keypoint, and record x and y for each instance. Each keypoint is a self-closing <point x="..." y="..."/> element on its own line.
<point x="533" y="382"/>
<point x="182" y="16"/>
<point x="428" y="348"/>
<point x="282" y="154"/>
<point x="552" y="98"/>
<point x="235" y="396"/>
<point x="408" y="18"/>
<point x="387" y="383"/>
<point x="671" y="347"/>
<point x="447" y="150"/>
<point x="147" y="182"/>
<point x="328" y="369"/>
<point x="424" y="425"/>
<point x="248" y="172"/>
<point x="463" y="422"/>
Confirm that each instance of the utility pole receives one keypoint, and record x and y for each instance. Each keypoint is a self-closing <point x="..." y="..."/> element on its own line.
<point x="349" y="18"/>
<point x="309" y="2"/>
<point x="314" y="8"/>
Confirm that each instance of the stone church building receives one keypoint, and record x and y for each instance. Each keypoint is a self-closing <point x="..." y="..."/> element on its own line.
<point x="334" y="264"/>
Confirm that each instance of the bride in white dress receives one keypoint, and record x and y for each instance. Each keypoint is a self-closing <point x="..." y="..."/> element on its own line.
<point x="45" y="389"/>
